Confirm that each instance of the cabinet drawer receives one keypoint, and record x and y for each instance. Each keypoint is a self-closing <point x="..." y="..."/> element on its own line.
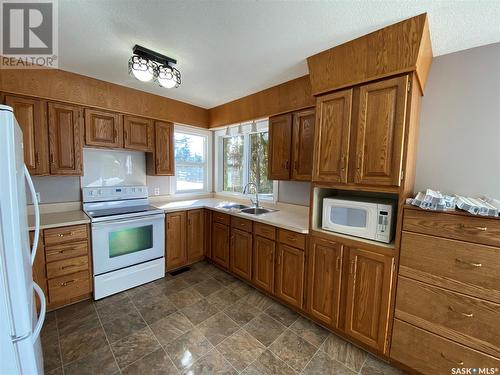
<point x="67" y="287"/>
<point x="431" y="354"/>
<point x="291" y="238"/>
<point x="55" y="236"/>
<point x="60" y="252"/>
<point x="458" y="227"/>
<point x="263" y="230"/>
<point x="67" y="266"/>
<point x="467" y="320"/>
<point x="219" y="217"/>
<point x="460" y="266"/>
<point x="242" y="224"/>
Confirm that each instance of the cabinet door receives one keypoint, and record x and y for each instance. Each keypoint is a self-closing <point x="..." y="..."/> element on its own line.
<point x="368" y="297"/>
<point x="103" y="129"/>
<point x="39" y="270"/>
<point x="138" y="133"/>
<point x="280" y="146"/>
<point x="164" y="149"/>
<point x="175" y="248"/>
<point x="332" y="134"/>
<point x="208" y="234"/>
<point x="241" y="253"/>
<point x="65" y="139"/>
<point x="195" y="234"/>
<point x="303" y="145"/>
<point x="32" y="118"/>
<point x="263" y="263"/>
<point x="220" y="244"/>
<point x="290" y="275"/>
<point x="324" y="278"/>
<point x="381" y="123"/>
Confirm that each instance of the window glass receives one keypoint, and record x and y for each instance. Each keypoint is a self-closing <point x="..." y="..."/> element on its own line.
<point x="233" y="159"/>
<point x="190" y="162"/>
<point x="258" y="163"/>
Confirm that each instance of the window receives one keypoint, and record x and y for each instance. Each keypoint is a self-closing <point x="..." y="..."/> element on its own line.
<point x="242" y="158"/>
<point x="190" y="162"/>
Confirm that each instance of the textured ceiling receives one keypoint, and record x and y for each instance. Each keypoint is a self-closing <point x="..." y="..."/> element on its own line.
<point x="229" y="49"/>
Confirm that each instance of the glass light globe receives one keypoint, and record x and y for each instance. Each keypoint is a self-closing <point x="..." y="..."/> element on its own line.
<point x="166" y="77"/>
<point x="142" y="69"/>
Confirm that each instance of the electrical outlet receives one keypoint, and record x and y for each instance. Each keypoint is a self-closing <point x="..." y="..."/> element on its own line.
<point x="157" y="191"/>
<point x="38" y="197"/>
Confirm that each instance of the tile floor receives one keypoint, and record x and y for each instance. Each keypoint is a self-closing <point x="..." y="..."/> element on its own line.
<point x="203" y="321"/>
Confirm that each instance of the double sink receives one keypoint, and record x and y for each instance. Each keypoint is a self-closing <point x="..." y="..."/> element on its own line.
<point x="246" y="209"/>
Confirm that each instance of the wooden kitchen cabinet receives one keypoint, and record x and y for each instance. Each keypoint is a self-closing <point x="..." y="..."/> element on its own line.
<point x="208" y="234"/>
<point x="290" y="275"/>
<point x="264" y="253"/>
<point x="39" y="268"/>
<point x="280" y="146"/>
<point x="332" y="137"/>
<point x="161" y="162"/>
<point x="65" y="139"/>
<point x="369" y="284"/>
<point x="103" y="128"/>
<point x="195" y="235"/>
<point x="380" y="132"/>
<point x="175" y="247"/>
<point x="31" y="114"/>
<point x="220" y="244"/>
<point x="138" y="133"/>
<point x="324" y="280"/>
<point x="240" y="258"/>
<point x="303" y="144"/>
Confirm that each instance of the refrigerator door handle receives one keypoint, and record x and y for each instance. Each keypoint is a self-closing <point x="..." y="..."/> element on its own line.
<point x="43" y="309"/>
<point x="37" y="214"/>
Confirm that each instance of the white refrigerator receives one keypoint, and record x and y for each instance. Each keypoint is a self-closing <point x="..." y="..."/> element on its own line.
<point x="20" y="324"/>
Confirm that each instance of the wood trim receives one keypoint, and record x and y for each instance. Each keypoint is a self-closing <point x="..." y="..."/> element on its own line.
<point x="59" y="85"/>
<point x="285" y="97"/>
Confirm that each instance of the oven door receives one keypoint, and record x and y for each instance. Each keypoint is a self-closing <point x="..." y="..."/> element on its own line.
<point x="350" y="217"/>
<point x="121" y="243"/>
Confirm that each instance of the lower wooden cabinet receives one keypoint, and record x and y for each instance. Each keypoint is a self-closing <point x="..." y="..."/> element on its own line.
<point x="208" y="234"/>
<point x="220" y="244"/>
<point x="195" y="235"/>
<point x="39" y="268"/>
<point x="369" y="284"/>
<point x="240" y="257"/>
<point x="324" y="280"/>
<point x="290" y="275"/>
<point x="264" y="252"/>
<point x="175" y="247"/>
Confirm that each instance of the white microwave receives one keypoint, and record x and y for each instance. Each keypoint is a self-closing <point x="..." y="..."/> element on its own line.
<point x="360" y="217"/>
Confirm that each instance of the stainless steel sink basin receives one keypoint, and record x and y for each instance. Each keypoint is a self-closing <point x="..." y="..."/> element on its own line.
<point x="256" y="211"/>
<point x="234" y="206"/>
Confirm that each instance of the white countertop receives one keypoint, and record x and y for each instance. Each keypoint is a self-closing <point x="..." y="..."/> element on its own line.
<point x="58" y="219"/>
<point x="290" y="217"/>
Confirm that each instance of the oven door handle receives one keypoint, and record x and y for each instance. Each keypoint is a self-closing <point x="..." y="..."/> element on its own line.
<point x="128" y="221"/>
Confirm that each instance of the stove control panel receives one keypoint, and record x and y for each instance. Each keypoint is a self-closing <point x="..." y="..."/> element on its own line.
<point x="113" y="193"/>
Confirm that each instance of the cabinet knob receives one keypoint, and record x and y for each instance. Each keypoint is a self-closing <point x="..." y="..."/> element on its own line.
<point x="466" y="315"/>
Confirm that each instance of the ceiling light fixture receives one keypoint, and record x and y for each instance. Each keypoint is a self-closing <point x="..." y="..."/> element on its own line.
<point x="146" y="65"/>
<point x="228" y="131"/>
<point x="254" y="127"/>
<point x="240" y="129"/>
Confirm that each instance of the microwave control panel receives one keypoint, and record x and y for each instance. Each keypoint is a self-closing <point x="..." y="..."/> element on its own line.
<point x="384" y="227"/>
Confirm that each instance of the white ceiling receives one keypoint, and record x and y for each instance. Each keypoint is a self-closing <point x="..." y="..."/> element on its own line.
<point x="228" y="49"/>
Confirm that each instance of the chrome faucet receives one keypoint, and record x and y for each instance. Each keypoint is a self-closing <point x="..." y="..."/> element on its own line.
<point x="246" y="188"/>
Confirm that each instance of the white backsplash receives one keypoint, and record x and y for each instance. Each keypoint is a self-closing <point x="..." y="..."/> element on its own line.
<point x="113" y="167"/>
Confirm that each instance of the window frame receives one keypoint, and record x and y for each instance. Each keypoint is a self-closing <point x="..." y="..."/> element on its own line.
<point x="262" y="126"/>
<point x="207" y="164"/>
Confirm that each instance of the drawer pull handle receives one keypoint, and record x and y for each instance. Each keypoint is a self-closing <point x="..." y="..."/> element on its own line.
<point x="472" y="264"/>
<point x="467" y="315"/>
<point x="69" y="266"/>
<point x="482" y="229"/>
<point x="66" y="283"/>
<point x="459" y="363"/>
<point x="290" y="238"/>
<point x="65" y="234"/>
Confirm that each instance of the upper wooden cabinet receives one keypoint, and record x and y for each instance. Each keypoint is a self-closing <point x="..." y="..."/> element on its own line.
<point x="138" y="133"/>
<point x="65" y="139"/>
<point x="240" y="258"/>
<point x="103" y="129"/>
<point x="162" y="162"/>
<point x="195" y="235"/>
<point x="175" y="246"/>
<point x="280" y="146"/>
<point x="303" y="144"/>
<point x="332" y="137"/>
<point x="380" y="133"/>
<point x="369" y="286"/>
<point x="324" y="280"/>
<point x="31" y="114"/>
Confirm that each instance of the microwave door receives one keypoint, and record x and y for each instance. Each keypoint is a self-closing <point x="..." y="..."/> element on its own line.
<point x="353" y="219"/>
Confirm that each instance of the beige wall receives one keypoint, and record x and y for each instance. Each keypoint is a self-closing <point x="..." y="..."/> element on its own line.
<point x="459" y="141"/>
